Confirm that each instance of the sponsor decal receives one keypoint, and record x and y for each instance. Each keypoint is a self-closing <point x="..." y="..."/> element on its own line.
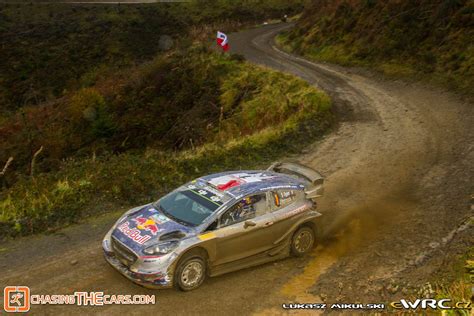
<point x="133" y="233"/>
<point x="214" y="191"/>
<point x="206" y="236"/>
<point x="160" y="218"/>
<point x="206" y="187"/>
<point x="286" y="197"/>
<point x="233" y="180"/>
<point x="151" y="259"/>
<point x="147" y="224"/>
<point x="229" y="184"/>
<point x="277" y="199"/>
<point x="275" y="187"/>
<point x="206" y="194"/>
<point x="297" y="210"/>
<point x="287" y="194"/>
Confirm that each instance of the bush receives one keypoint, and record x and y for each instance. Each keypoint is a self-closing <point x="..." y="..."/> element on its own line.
<point x="286" y="112"/>
<point x="399" y="38"/>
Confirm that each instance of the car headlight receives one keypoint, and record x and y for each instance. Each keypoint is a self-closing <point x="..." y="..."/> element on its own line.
<point x="162" y="248"/>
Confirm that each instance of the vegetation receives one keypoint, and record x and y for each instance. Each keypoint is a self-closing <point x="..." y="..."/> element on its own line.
<point x="428" y="39"/>
<point x="181" y="115"/>
<point x="264" y="115"/>
<point x="458" y="287"/>
<point x="49" y="50"/>
<point x="65" y="63"/>
<point x="111" y="106"/>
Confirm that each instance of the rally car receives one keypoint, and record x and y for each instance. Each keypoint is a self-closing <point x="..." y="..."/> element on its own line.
<point x="216" y="224"/>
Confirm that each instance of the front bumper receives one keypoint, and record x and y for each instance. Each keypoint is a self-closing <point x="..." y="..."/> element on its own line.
<point x="154" y="273"/>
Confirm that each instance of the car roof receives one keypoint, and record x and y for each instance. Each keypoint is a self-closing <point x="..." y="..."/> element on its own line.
<point x="244" y="182"/>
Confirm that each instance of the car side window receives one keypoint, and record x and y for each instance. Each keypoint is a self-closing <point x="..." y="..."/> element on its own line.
<point x="247" y="208"/>
<point x="212" y="226"/>
<point x="283" y="198"/>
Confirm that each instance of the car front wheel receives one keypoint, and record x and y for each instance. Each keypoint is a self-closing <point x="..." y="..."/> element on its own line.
<point x="302" y="241"/>
<point x="190" y="272"/>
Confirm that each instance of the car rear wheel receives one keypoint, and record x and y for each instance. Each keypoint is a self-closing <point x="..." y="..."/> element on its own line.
<point x="190" y="272"/>
<point x="302" y="241"/>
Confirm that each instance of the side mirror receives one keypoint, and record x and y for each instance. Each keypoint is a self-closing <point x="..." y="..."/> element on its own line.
<point x="249" y="223"/>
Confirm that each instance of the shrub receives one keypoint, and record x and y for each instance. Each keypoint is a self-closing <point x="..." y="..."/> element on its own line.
<point x="400" y="38"/>
<point x="286" y="112"/>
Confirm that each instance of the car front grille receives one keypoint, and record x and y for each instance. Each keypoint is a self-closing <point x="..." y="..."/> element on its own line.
<point x="125" y="255"/>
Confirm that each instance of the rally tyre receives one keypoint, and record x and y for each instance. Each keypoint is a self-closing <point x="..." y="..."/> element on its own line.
<point x="302" y="241"/>
<point x="190" y="272"/>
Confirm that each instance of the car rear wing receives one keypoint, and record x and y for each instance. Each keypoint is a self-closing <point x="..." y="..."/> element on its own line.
<point x="316" y="188"/>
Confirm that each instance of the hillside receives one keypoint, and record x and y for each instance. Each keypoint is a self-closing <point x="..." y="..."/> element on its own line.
<point x="58" y="60"/>
<point x="48" y="50"/>
<point x="426" y="39"/>
<point x="213" y="114"/>
<point x="116" y="119"/>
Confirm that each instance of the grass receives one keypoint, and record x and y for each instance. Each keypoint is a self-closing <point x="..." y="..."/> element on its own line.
<point x="459" y="288"/>
<point x="260" y="115"/>
<point x="123" y="118"/>
<point x="150" y="106"/>
<point x="51" y="49"/>
<point x="425" y="40"/>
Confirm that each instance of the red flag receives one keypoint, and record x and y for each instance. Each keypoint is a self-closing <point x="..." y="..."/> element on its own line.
<point x="222" y="41"/>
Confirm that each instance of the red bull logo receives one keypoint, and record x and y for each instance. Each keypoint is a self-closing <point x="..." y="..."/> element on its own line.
<point x="133" y="233"/>
<point x="147" y="224"/>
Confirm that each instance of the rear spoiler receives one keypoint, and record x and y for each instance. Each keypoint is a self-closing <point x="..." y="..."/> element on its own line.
<point x="315" y="178"/>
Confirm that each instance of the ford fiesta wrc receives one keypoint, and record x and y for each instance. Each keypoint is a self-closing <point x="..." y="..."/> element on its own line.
<point x="217" y="224"/>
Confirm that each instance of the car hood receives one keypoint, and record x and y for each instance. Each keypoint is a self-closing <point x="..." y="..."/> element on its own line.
<point x="147" y="226"/>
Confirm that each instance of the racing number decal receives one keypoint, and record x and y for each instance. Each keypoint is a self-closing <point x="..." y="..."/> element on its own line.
<point x="206" y="194"/>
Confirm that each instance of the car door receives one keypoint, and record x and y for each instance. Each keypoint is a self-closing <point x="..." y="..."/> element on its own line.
<point x="236" y="240"/>
<point x="283" y="202"/>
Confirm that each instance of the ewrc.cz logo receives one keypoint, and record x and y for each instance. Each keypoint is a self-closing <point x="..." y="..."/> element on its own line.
<point x="16" y="299"/>
<point x="430" y="303"/>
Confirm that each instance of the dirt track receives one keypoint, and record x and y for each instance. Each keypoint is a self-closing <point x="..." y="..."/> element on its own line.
<point x="399" y="169"/>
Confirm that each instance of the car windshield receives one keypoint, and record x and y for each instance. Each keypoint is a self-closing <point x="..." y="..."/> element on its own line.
<point x="187" y="207"/>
